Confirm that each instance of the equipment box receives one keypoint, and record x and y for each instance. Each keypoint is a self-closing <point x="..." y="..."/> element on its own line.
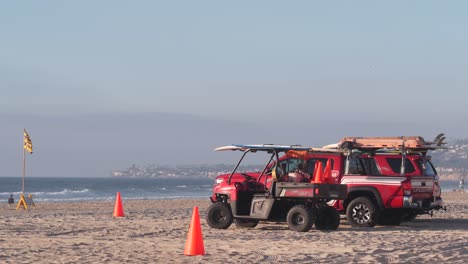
<point x="311" y="190"/>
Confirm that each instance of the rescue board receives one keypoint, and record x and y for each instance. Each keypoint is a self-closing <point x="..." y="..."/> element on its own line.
<point x="387" y="142"/>
<point x="224" y="148"/>
<point x="278" y="148"/>
<point x="401" y="142"/>
<point x="261" y="147"/>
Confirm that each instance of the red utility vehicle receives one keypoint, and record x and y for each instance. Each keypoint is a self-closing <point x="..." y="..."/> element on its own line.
<point x="270" y="195"/>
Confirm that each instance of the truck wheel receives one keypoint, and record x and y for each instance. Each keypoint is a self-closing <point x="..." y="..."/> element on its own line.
<point x="219" y="216"/>
<point x="328" y="218"/>
<point x="300" y="218"/>
<point x="362" y="212"/>
<point x="246" y="223"/>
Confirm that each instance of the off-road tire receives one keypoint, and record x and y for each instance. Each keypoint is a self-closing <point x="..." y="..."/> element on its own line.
<point x="362" y="212"/>
<point x="246" y="223"/>
<point x="300" y="218"/>
<point x="219" y="216"/>
<point x="328" y="218"/>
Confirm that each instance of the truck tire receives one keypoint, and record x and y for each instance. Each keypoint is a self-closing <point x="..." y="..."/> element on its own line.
<point x="300" y="218"/>
<point x="246" y="223"/>
<point x="328" y="218"/>
<point x="362" y="212"/>
<point x="219" y="216"/>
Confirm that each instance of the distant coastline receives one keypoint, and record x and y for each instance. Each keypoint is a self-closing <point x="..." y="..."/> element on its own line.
<point x="181" y="171"/>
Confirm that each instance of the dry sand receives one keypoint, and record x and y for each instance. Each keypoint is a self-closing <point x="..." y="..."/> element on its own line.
<point x="155" y="231"/>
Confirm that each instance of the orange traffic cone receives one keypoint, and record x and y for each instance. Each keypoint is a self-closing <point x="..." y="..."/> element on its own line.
<point x="118" y="209"/>
<point x="327" y="172"/>
<point x="318" y="173"/>
<point x="313" y="176"/>
<point x="194" y="245"/>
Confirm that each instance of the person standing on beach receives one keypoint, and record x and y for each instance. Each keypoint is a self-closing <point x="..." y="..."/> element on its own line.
<point x="11" y="200"/>
<point x="461" y="185"/>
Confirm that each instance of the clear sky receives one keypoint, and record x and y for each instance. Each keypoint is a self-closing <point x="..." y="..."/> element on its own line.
<point x="235" y="60"/>
<point x="193" y="56"/>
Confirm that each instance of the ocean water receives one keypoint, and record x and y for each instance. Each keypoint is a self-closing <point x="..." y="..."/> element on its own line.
<point x="64" y="189"/>
<point x="104" y="189"/>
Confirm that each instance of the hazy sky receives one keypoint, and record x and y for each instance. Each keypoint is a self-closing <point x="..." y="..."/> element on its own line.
<point x="242" y="60"/>
<point x="208" y="57"/>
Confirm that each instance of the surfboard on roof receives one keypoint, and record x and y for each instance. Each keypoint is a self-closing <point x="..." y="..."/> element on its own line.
<point x="400" y="142"/>
<point x="276" y="147"/>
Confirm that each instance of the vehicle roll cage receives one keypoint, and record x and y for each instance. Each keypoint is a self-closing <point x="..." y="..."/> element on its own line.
<point x="273" y="155"/>
<point x="274" y="149"/>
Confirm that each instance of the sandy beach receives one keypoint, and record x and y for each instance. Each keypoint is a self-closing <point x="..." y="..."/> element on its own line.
<point x="155" y="231"/>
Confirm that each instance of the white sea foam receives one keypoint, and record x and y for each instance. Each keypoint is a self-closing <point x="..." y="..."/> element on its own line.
<point x="63" y="192"/>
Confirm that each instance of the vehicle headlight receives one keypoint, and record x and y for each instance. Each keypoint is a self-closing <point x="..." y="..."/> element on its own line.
<point x="218" y="181"/>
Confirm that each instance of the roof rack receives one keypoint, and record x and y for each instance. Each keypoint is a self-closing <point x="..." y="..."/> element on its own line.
<point x="401" y="143"/>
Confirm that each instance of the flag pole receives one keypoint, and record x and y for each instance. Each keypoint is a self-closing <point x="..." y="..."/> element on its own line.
<point x="27" y="146"/>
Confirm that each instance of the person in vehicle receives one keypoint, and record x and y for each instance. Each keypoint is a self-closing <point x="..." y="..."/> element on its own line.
<point x="284" y="177"/>
<point x="299" y="175"/>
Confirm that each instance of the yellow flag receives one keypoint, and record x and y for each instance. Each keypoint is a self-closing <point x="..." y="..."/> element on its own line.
<point x="27" y="142"/>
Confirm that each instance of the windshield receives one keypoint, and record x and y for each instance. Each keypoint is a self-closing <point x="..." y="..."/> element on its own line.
<point x="290" y="165"/>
